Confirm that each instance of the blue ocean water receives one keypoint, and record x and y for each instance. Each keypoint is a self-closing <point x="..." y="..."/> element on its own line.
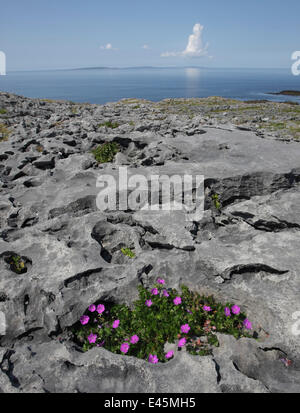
<point x="110" y="85"/>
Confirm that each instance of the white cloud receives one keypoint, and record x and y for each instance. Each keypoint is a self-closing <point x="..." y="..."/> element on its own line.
<point x="194" y="48"/>
<point x="108" y="46"/>
<point x="145" y="46"/>
<point x="169" y="54"/>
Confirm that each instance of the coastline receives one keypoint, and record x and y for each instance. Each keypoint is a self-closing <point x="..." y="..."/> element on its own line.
<point x="109" y="85"/>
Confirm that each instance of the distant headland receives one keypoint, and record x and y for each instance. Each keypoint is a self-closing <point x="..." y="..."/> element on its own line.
<point x="286" y="93"/>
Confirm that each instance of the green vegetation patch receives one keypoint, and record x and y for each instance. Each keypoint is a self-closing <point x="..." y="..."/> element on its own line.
<point x="277" y="125"/>
<point x="4" y="132"/>
<point x="109" y="124"/>
<point x="74" y="109"/>
<point x="158" y="317"/>
<point x="216" y="201"/>
<point x="16" y="263"/>
<point x="106" y="152"/>
<point x="128" y="252"/>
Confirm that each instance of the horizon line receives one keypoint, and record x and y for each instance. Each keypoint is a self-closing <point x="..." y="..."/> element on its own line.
<point x="146" y="67"/>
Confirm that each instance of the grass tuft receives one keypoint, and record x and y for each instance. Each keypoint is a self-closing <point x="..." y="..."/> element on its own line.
<point x="4" y="132"/>
<point x="106" y="152"/>
<point x="109" y="124"/>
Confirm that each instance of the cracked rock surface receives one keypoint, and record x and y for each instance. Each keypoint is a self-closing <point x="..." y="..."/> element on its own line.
<point x="246" y="251"/>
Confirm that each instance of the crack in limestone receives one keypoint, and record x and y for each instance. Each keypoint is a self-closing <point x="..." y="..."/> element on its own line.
<point x="218" y="371"/>
<point x="9" y="369"/>
<point x="244" y="187"/>
<point x="266" y="349"/>
<point x="255" y="268"/>
<point x="262" y="224"/>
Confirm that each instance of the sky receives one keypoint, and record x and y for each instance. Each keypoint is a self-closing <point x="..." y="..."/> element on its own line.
<point x="61" y="34"/>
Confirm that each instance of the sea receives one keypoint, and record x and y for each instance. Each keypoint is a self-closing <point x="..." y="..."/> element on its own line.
<point x="102" y="85"/>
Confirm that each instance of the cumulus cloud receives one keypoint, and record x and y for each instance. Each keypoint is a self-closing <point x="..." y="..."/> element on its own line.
<point x="108" y="46"/>
<point x="195" y="46"/>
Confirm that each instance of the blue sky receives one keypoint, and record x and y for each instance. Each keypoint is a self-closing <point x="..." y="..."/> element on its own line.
<point x="42" y="34"/>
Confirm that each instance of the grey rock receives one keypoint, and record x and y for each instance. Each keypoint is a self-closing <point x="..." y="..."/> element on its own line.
<point x="246" y="251"/>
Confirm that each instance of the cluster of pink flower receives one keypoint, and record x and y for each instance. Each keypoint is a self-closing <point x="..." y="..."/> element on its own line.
<point x="181" y="343"/>
<point x="93" y="337"/>
<point x="235" y="309"/>
<point x="185" y="328"/>
<point x="92" y="308"/>
<point x="125" y="346"/>
<point x="153" y="359"/>
<point x="155" y="291"/>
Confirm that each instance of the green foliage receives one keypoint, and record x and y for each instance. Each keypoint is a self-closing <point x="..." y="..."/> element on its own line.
<point x="39" y="148"/>
<point x="277" y="125"/>
<point x="161" y="323"/>
<point x="17" y="264"/>
<point x="106" y="152"/>
<point x="4" y="132"/>
<point x="216" y="201"/>
<point x="128" y="252"/>
<point x="109" y="124"/>
<point x="3" y="111"/>
<point x="295" y="131"/>
<point x="48" y="100"/>
<point x="74" y="109"/>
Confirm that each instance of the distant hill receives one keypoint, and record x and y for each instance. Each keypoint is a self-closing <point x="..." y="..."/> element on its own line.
<point x="137" y="67"/>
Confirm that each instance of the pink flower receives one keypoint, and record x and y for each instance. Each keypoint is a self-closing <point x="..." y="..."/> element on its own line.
<point x="124" y="348"/>
<point x="165" y="293"/>
<point x="182" y="342"/>
<point x="247" y="324"/>
<point x="153" y="359"/>
<point x="148" y="303"/>
<point x="100" y="309"/>
<point x="134" y="339"/>
<point x="84" y="319"/>
<point x="206" y="308"/>
<point x="100" y="344"/>
<point x="154" y="291"/>
<point x="227" y="312"/>
<point x="177" y="301"/>
<point x="92" y="338"/>
<point x="170" y="354"/>
<point x="92" y="308"/>
<point x="185" y="328"/>
<point x="116" y="324"/>
<point x="235" y="309"/>
<point x="161" y="281"/>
